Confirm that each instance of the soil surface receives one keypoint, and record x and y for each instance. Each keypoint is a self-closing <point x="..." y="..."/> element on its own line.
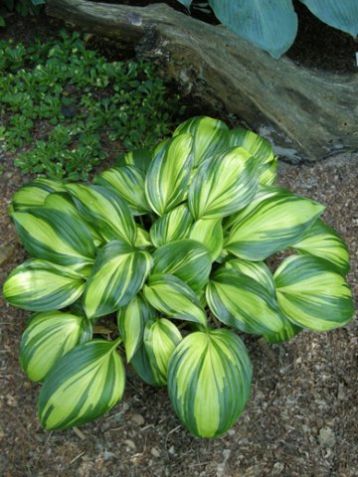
<point x="300" y="422"/>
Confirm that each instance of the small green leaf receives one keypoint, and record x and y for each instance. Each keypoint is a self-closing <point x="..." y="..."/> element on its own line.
<point x="83" y="385"/>
<point x="209" y="381"/>
<point x="173" y="297"/>
<point x="312" y="294"/>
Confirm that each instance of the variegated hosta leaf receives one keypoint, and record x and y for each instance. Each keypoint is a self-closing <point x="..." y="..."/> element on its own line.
<point x="322" y="241"/>
<point x="268" y="173"/>
<point x="173" y="225"/>
<point x="161" y="337"/>
<point x="259" y="271"/>
<point x="173" y="297"/>
<point x="56" y="236"/>
<point x="128" y="182"/>
<point x="106" y="209"/>
<point x="210" y="233"/>
<point x="38" y="285"/>
<point x="240" y="301"/>
<point x="118" y="275"/>
<point x="62" y="202"/>
<point x="253" y="143"/>
<point x="289" y="330"/>
<point x="47" y="338"/>
<point x="271" y="224"/>
<point x="223" y="184"/>
<point x="312" y="294"/>
<point x="140" y="158"/>
<point x="131" y="320"/>
<point x="187" y="259"/>
<point x="143" y="238"/>
<point x="167" y="179"/>
<point x="210" y="136"/>
<point x="84" y="384"/>
<point x="141" y="366"/>
<point x="34" y="194"/>
<point x="209" y="381"/>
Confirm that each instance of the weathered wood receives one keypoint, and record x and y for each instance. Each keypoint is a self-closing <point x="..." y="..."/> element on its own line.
<point x="308" y="114"/>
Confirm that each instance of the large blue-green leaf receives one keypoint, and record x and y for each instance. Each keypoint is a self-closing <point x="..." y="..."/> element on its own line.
<point x="312" y="294"/>
<point x="341" y="14"/>
<point x="209" y="381"/>
<point x="268" y="24"/>
<point x="83" y="385"/>
<point x="118" y="275"/>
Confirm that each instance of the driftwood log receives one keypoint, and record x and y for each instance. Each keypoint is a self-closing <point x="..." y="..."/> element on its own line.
<point x="307" y="114"/>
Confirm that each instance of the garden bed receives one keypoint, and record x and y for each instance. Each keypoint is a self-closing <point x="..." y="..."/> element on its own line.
<point x="300" y="422"/>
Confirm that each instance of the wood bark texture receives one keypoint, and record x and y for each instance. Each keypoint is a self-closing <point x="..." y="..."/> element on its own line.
<point x="308" y="114"/>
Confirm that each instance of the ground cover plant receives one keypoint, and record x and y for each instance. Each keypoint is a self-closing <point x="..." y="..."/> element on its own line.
<point x="64" y="106"/>
<point x="173" y="242"/>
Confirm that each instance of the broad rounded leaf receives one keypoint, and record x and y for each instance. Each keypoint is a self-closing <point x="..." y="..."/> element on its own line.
<point x="322" y="241"/>
<point x="312" y="294"/>
<point x="161" y="337"/>
<point x="47" y="338"/>
<point x="167" y="179"/>
<point x="56" y="236"/>
<point x="106" y="209"/>
<point x="342" y="14"/>
<point x="173" y="225"/>
<point x="209" y="136"/>
<point x="118" y="275"/>
<point x="142" y="367"/>
<point x="187" y="259"/>
<point x="270" y="25"/>
<point x="270" y="225"/>
<point x="289" y="330"/>
<point x="38" y="285"/>
<point x="128" y="182"/>
<point x="210" y="233"/>
<point x="34" y="193"/>
<point x="259" y="271"/>
<point x="131" y="320"/>
<point x="240" y="301"/>
<point x="223" y="184"/>
<point x="83" y="385"/>
<point x="140" y="158"/>
<point x="173" y="297"/>
<point x="209" y="381"/>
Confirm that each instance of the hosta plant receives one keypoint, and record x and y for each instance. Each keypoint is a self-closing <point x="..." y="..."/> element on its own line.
<point x="170" y="247"/>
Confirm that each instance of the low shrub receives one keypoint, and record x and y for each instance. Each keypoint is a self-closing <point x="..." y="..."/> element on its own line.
<point x="64" y="108"/>
<point x="174" y="243"/>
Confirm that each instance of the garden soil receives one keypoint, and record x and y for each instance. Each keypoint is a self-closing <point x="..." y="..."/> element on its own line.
<point x="301" y="421"/>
